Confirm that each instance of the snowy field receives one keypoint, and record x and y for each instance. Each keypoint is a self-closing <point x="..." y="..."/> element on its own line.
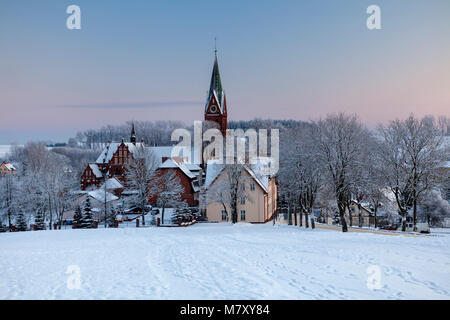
<point x="220" y="261"/>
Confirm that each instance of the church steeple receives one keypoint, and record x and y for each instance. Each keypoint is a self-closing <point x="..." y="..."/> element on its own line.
<point x="133" y="135"/>
<point x="215" y="108"/>
<point x="215" y="86"/>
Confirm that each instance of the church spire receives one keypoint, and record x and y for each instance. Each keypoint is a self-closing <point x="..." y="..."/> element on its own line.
<point x="133" y="134"/>
<point x="215" y="86"/>
<point x="216" y="103"/>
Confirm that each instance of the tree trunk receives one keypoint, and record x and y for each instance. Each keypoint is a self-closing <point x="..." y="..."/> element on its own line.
<point x="359" y="216"/>
<point x="306" y="220"/>
<point x="50" y="212"/>
<point x="143" y="213"/>
<point x="375" y="216"/>
<point x="295" y="217"/>
<point x="301" y="218"/>
<point x="415" y="214"/>
<point x="234" y="217"/>
<point x="9" y="218"/>
<point x="289" y="215"/>
<point x="342" y="218"/>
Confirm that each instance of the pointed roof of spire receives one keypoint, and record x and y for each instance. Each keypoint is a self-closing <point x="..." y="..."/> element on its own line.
<point x="133" y="134"/>
<point x="215" y="86"/>
<point x="216" y="82"/>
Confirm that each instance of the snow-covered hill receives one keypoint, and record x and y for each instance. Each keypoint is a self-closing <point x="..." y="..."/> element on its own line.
<point x="220" y="261"/>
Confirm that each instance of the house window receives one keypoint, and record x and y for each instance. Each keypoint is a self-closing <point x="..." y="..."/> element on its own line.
<point x="242" y="200"/>
<point x="252" y="186"/>
<point x="242" y="215"/>
<point x="224" y="215"/>
<point x="243" y="187"/>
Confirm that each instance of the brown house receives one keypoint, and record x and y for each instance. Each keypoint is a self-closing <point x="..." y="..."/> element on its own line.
<point x="111" y="163"/>
<point x="188" y="175"/>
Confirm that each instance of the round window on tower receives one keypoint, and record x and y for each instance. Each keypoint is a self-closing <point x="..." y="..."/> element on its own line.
<point x="213" y="109"/>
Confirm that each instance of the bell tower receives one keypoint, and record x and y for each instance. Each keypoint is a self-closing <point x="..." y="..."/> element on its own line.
<point x="133" y="135"/>
<point x="216" y="102"/>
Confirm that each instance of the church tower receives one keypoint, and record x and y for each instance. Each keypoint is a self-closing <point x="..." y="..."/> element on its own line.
<point x="133" y="135"/>
<point x="216" y="102"/>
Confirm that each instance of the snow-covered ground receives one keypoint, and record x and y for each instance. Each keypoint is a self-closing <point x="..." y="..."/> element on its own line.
<point x="221" y="261"/>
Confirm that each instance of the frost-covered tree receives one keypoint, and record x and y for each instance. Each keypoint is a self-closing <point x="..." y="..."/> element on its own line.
<point x="21" y="221"/>
<point x="86" y="221"/>
<point x="78" y="216"/>
<point x="39" y="219"/>
<point x="337" y="146"/>
<point x="412" y="153"/>
<point x="434" y="209"/>
<point x="168" y="189"/>
<point x="138" y="174"/>
<point x="218" y="192"/>
<point x="112" y="218"/>
<point x="9" y="196"/>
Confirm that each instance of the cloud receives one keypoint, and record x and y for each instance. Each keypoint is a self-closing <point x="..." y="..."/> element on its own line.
<point x="134" y="105"/>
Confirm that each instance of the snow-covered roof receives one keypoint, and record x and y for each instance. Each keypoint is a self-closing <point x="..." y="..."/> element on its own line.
<point x="95" y="169"/>
<point x="171" y="164"/>
<point x="166" y="152"/>
<point x="213" y="169"/>
<point x="9" y="166"/>
<point x="111" y="148"/>
<point x="192" y="167"/>
<point x="258" y="172"/>
<point x="112" y="184"/>
<point x="99" y="195"/>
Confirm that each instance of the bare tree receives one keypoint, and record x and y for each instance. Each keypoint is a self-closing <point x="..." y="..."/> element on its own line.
<point x="138" y="175"/>
<point x="167" y="188"/>
<point x="218" y="192"/>
<point x="412" y="153"/>
<point x="9" y="196"/>
<point x="337" y="141"/>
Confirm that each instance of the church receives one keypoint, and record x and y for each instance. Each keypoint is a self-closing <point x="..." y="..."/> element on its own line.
<point x="111" y="163"/>
<point x="110" y="168"/>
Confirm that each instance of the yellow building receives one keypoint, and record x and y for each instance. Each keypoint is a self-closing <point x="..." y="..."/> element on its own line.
<point x="7" y="168"/>
<point x="257" y="196"/>
<point x="366" y="215"/>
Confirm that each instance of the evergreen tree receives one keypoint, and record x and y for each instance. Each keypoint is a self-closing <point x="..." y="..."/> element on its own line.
<point x="21" y="222"/>
<point x="39" y="219"/>
<point x="86" y="221"/>
<point x="78" y="216"/>
<point x="112" y="219"/>
<point x="2" y="227"/>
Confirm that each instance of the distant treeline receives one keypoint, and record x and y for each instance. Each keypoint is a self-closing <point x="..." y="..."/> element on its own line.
<point x="157" y="133"/>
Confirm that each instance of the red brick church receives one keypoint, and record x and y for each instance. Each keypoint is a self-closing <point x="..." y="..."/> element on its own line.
<point x="112" y="162"/>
